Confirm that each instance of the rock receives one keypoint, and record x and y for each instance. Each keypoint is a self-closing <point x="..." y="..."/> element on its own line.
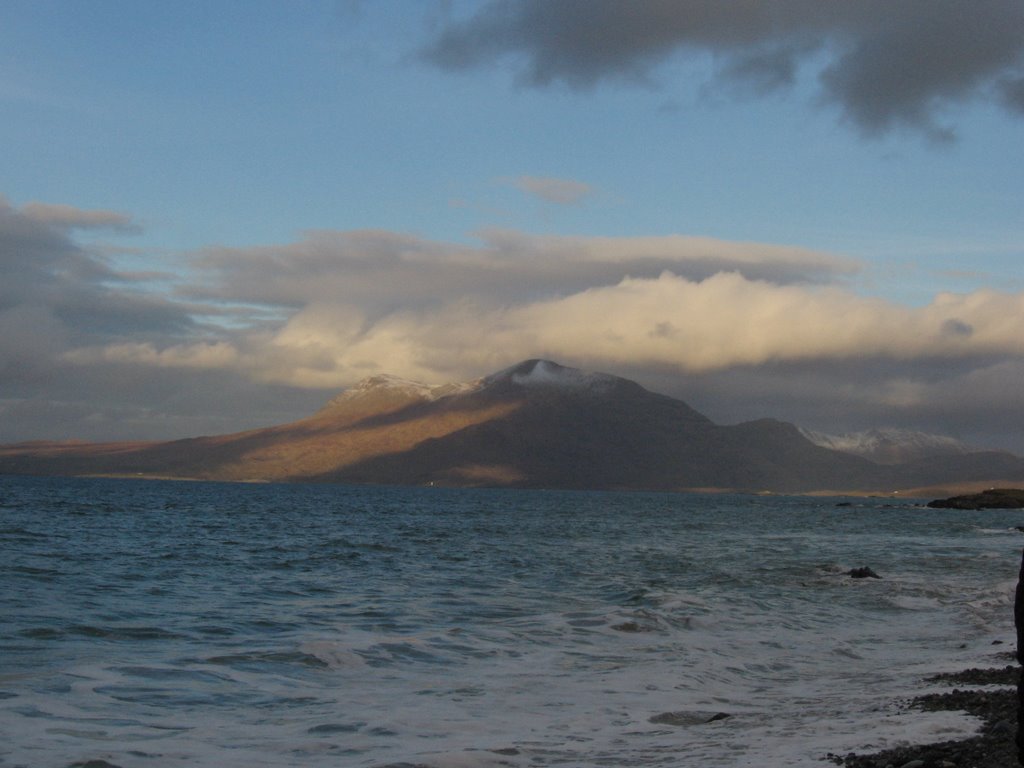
<point x="1018" y="621"/>
<point x="1002" y="728"/>
<point x="993" y="498"/>
<point x="687" y="718"/>
<point x="863" y="573"/>
<point x="675" y="718"/>
<point x="632" y="626"/>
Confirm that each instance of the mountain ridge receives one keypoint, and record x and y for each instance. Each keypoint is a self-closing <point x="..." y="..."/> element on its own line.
<point x="534" y="424"/>
<point x="889" y="445"/>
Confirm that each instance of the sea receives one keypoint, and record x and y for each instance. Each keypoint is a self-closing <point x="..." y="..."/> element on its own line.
<point x="159" y="623"/>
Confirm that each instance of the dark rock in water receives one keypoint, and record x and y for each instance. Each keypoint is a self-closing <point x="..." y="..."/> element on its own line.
<point x="993" y="498"/>
<point x="632" y="626"/>
<point x="688" y="718"/>
<point x="93" y="764"/>
<point x="331" y="728"/>
<point x="863" y="573"/>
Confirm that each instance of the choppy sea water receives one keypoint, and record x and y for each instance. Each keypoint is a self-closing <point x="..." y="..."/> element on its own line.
<point x="200" y="624"/>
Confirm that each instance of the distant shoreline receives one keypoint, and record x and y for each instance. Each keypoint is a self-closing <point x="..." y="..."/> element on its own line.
<point x="937" y="491"/>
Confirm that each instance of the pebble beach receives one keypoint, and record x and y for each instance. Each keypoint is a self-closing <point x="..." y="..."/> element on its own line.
<point x="986" y="693"/>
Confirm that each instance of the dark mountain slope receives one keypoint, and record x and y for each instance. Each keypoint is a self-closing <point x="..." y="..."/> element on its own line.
<point x="571" y="431"/>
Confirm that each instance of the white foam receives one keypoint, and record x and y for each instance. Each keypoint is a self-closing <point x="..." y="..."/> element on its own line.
<point x="454" y="669"/>
<point x="332" y="654"/>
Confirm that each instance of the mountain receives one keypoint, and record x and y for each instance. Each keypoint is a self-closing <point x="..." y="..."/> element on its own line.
<point x="889" y="445"/>
<point x="536" y="424"/>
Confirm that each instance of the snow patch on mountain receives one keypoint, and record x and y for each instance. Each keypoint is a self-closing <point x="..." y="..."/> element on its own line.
<point x="530" y="373"/>
<point x="544" y="373"/>
<point x="890" y="445"/>
<point x="407" y="388"/>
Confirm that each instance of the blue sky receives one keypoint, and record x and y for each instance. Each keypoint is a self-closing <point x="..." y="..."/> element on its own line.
<point x="218" y="213"/>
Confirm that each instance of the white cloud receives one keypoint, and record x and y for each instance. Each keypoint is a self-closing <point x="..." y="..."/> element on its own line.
<point x="70" y="217"/>
<point x="380" y="271"/>
<point x="721" y="322"/>
<point x="746" y="329"/>
<point x="552" y="190"/>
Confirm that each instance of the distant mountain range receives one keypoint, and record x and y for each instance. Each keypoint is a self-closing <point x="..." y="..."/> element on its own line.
<point x="540" y="425"/>
<point x="890" y="446"/>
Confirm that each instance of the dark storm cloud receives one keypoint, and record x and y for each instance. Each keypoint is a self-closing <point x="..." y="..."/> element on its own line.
<point x="1013" y="93"/>
<point x="977" y="401"/>
<point x="45" y="272"/>
<point x="380" y="270"/>
<point x="57" y="295"/>
<point x="886" y="64"/>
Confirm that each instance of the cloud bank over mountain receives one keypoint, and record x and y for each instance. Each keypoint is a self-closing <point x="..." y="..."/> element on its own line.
<point x="249" y="335"/>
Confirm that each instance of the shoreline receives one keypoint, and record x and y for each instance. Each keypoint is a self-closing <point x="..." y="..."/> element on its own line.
<point x="938" y="490"/>
<point x="972" y="691"/>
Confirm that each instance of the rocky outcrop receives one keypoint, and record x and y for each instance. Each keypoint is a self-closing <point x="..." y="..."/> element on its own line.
<point x="994" y="498"/>
<point x="1018" y="620"/>
<point x="863" y="573"/>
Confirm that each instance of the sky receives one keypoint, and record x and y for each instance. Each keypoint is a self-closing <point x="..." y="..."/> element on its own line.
<point x="216" y="215"/>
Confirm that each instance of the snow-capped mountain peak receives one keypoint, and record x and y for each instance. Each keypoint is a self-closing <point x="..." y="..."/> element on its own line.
<point x="545" y="373"/>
